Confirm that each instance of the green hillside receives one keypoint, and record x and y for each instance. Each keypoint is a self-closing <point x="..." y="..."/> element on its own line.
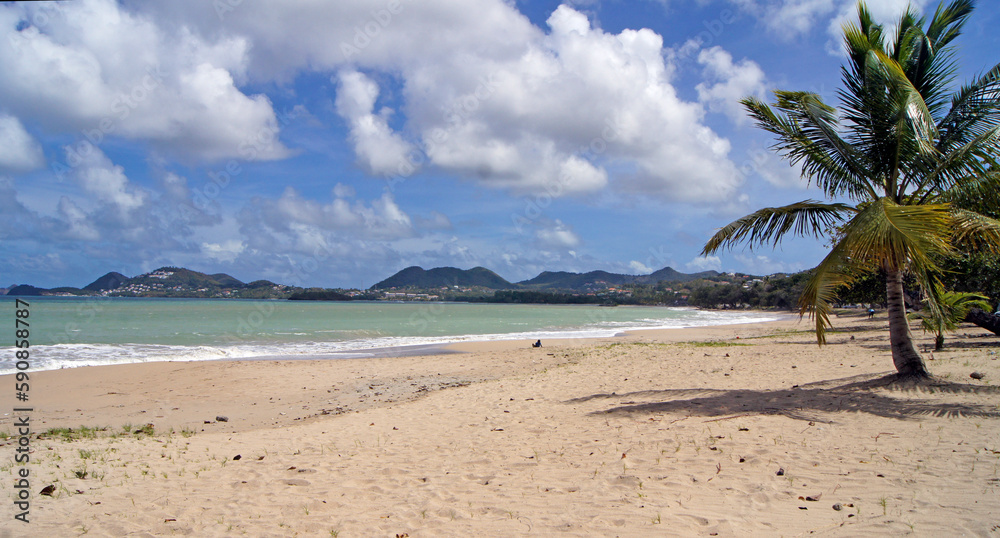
<point x="419" y="278"/>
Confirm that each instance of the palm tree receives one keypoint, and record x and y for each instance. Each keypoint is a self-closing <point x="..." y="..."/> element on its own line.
<point x="954" y="307"/>
<point x="909" y="168"/>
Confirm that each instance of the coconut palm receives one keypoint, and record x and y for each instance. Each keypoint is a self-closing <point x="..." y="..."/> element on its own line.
<point x="954" y="307"/>
<point x="909" y="168"/>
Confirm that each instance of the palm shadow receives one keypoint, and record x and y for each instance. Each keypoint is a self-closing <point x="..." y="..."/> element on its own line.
<point x="871" y="394"/>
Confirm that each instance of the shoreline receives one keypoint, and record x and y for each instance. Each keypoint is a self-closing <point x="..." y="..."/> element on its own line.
<point x="726" y="430"/>
<point x="436" y="345"/>
<point x="100" y="389"/>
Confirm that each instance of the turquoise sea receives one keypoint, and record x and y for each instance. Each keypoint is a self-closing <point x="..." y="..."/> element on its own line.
<point x="75" y="331"/>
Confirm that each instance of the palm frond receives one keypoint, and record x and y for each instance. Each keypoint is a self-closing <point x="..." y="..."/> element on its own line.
<point x="837" y="269"/>
<point x="912" y="107"/>
<point x="954" y="306"/>
<point x="807" y="134"/>
<point x="771" y="224"/>
<point x="897" y="236"/>
<point x="975" y="109"/>
<point x="948" y="21"/>
<point x="976" y="232"/>
<point x="967" y="164"/>
<point x="977" y="193"/>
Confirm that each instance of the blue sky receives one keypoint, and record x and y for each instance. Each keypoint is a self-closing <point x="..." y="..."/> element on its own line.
<point x="334" y="143"/>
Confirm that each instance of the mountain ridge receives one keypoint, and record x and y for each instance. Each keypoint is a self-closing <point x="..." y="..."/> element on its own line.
<point x="177" y="281"/>
<point x="415" y="277"/>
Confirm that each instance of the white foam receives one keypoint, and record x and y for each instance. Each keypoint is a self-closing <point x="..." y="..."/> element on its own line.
<point x="58" y="356"/>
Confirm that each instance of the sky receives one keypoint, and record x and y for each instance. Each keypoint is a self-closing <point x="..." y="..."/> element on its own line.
<point x="332" y="144"/>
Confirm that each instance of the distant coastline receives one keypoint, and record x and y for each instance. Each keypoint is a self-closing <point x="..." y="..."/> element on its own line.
<point x="666" y="287"/>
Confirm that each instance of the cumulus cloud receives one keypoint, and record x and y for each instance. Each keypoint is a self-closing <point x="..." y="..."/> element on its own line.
<point x="640" y="268"/>
<point x="494" y="99"/>
<point x="309" y="224"/>
<point x="886" y="12"/>
<point x="18" y="221"/>
<point x="557" y="235"/>
<point x="19" y="151"/>
<point x="730" y="82"/>
<point x="95" y="66"/>
<point x="436" y="221"/>
<point x="760" y="264"/>
<point x="792" y="18"/>
<point x="577" y="100"/>
<point x="99" y="176"/>
<point x="341" y="190"/>
<point x="79" y="225"/>
<point x="225" y="251"/>
<point x="380" y="150"/>
<point x="704" y="263"/>
<point x="780" y="173"/>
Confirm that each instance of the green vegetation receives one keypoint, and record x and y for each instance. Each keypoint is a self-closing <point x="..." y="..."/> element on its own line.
<point x="319" y="295"/>
<point x="779" y="292"/>
<point x="715" y="343"/>
<point x="918" y="164"/>
<point x="69" y="434"/>
<point x="955" y="306"/>
<point x="443" y="277"/>
<point x="93" y="432"/>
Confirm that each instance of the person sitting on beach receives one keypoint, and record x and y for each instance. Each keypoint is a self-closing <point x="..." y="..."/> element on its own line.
<point x="537" y="344"/>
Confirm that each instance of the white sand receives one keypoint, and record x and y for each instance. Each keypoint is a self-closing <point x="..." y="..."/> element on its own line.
<point x="648" y="434"/>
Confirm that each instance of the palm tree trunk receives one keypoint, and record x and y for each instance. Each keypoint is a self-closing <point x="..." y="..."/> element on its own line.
<point x="908" y="362"/>
<point x="990" y="322"/>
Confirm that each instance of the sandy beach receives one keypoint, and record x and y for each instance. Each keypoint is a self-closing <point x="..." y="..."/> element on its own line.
<point x="722" y="431"/>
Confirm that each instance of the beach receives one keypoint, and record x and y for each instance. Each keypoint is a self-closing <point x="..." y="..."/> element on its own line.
<point x="731" y="430"/>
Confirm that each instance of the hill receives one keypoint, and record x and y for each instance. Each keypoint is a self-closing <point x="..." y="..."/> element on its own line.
<point x="417" y="277"/>
<point x="171" y="277"/>
<point x="563" y="280"/>
<point x="25" y="290"/>
<point x="668" y="274"/>
<point x="110" y="281"/>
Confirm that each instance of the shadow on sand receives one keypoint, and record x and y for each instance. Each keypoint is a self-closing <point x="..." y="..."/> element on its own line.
<point x="880" y="395"/>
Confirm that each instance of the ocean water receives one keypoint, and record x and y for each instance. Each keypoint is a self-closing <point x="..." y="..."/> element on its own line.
<point x="74" y="331"/>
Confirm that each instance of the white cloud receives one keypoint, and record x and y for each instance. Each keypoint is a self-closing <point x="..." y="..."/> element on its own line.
<point x="795" y="17"/>
<point x="226" y="251"/>
<point x="731" y="83"/>
<point x="380" y="151"/>
<point x="174" y="186"/>
<point x="640" y="268"/>
<point x="704" y="263"/>
<point x="99" y="176"/>
<point x="886" y="12"/>
<point x="312" y="224"/>
<point x="780" y="173"/>
<point x="761" y="264"/>
<point x="557" y="235"/>
<point x="18" y="222"/>
<point x="341" y="190"/>
<point x="105" y="70"/>
<point x="19" y="151"/>
<point x="436" y="221"/>
<point x="792" y="18"/>
<point x="492" y="99"/>
<point x="77" y="221"/>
